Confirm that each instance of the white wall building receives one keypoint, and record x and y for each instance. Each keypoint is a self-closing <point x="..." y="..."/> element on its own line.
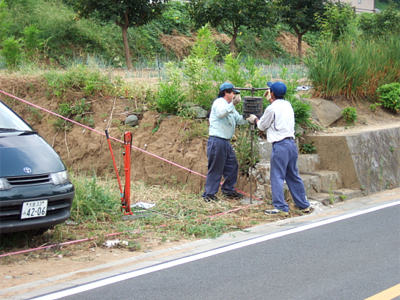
<point x="361" y="5"/>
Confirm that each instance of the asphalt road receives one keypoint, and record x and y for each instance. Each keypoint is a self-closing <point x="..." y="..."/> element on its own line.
<point x="353" y="258"/>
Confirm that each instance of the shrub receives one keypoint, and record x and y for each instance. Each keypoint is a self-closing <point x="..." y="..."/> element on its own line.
<point x="175" y="17"/>
<point x="200" y="88"/>
<point x="373" y="107"/>
<point x="79" y="77"/>
<point x="169" y="97"/>
<point x="242" y="146"/>
<point x="302" y="111"/>
<point x="31" y="40"/>
<point x="381" y="24"/>
<point x="308" y="148"/>
<point x="77" y="112"/>
<point x="389" y="96"/>
<point x="11" y="52"/>
<point x="338" y="21"/>
<point x="349" y="115"/>
<point x="4" y="20"/>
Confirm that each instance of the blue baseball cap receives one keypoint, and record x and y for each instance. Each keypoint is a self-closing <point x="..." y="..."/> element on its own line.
<point x="228" y="86"/>
<point x="278" y="87"/>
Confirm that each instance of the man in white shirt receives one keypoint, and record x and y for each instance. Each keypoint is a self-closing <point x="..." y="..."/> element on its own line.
<point x="278" y="121"/>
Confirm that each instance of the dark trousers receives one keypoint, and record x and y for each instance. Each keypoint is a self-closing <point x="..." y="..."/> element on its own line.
<point x="221" y="161"/>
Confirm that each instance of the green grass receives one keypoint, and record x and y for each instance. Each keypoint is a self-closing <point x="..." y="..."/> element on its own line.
<point x="96" y="213"/>
<point x="340" y="69"/>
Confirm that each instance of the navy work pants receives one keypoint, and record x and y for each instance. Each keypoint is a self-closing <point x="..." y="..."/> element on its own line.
<point x="284" y="167"/>
<point x="221" y="161"/>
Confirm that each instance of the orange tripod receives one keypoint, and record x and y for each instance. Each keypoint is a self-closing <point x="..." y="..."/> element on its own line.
<point x="126" y="195"/>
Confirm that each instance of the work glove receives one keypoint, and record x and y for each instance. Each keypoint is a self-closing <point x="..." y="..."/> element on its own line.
<point x="267" y="94"/>
<point x="236" y="99"/>
<point x="252" y="118"/>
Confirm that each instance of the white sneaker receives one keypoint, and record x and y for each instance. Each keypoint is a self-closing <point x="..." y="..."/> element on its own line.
<point x="275" y="211"/>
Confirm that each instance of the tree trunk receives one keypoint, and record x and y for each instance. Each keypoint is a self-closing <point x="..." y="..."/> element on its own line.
<point x="124" y="28"/>
<point x="126" y="47"/>
<point x="299" y="40"/>
<point x="233" y="41"/>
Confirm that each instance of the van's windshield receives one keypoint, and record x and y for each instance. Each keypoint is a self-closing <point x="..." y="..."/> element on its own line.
<point x="10" y="121"/>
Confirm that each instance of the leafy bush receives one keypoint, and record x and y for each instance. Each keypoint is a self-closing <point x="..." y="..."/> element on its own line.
<point x="308" y="148"/>
<point x="302" y="109"/>
<point x="11" y="52"/>
<point x="198" y="67"/>
<point x="385" y="23"/>
<point x="373" y="107"/>
<point x="349" y="115"/>
<point x="242" y="146"/>
<point x="389" y="96"/>
<point x="4" y="20"/>
<point x="175" y="17"/>
<point x="79" y="77"/>
<point x="200" y="87"/>
<point x="169" y="97"/>
<point x="78" y="112"/>
<point x="338" y="21"/>
<point x="31" y="40"/>
<point x="259" y="44"/>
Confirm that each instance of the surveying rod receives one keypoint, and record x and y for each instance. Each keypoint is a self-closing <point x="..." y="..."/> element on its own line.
<point x="255" y="109"/>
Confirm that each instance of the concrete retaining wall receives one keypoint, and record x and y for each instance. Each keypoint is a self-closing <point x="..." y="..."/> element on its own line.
<point x="367" y="159"/>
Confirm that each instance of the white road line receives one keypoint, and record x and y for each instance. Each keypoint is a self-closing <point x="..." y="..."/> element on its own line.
<point x="184" y="260"/>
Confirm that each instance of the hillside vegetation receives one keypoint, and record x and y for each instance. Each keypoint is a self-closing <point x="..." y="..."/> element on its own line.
<point x="50" y="32"/>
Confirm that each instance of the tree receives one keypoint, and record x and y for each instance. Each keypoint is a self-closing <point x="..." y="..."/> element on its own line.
<point x="230" y="15"/>
<point x="125" y="13"/>
<point x="338" y="21"/>
<point x="385" y="23"/>
<point x="4" y="21"/>
<point x="300" y="16"/>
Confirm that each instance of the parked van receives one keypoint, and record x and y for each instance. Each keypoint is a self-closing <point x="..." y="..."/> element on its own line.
<point x="35" y="189"/>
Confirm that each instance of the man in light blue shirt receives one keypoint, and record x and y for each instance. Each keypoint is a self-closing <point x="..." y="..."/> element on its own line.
<point x="221" y="157"/>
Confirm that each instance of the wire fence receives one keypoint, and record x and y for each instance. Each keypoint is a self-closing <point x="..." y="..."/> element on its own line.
<point x="157" y="70"/>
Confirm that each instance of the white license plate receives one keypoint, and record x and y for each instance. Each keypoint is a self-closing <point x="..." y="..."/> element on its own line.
<point x="34" y="209"/>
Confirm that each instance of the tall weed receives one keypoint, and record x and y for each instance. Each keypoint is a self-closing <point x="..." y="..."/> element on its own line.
<point x="11" y="52"/>
<point x="93" y="202"/>
<point x="79" y="77"/>
<point x="170" y="94"/>
<point x="200" y="87"/>
<point x="354" y="69"/>
<point x="4" y="20"/>
<point x="302" y="109"/>
<point x="31" y="40"/>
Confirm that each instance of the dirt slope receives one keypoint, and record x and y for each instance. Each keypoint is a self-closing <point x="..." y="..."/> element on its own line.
<point x="84" y="150"/>
<point x="155" y="140"/>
